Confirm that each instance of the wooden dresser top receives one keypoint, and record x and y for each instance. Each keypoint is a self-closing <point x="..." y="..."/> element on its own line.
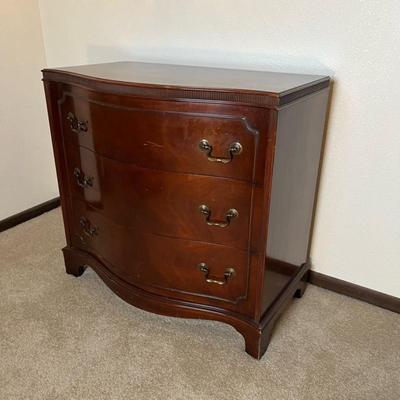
<point x="204" y="83"/>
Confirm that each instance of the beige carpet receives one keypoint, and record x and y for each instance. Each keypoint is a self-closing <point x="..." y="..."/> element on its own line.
<point x="71" y="338"/>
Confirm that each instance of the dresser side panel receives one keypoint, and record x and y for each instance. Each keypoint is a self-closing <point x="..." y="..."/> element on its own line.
<point x="300" y="132"/>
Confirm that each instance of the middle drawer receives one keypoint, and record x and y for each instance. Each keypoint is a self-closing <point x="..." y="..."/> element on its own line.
<point x="195" y="207"/>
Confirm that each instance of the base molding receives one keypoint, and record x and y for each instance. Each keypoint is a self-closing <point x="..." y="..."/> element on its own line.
<point x="256" y="347"/>
<point x="257" y="334"/>
<point x="357" y="292"/>
<point x="28" y="214"/>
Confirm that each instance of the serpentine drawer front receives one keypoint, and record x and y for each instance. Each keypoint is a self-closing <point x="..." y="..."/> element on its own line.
<point x="162" y="264"/>
<point x="147" y="199"/>
<point x="189" y="190"/>
<point x="161" y="137"/>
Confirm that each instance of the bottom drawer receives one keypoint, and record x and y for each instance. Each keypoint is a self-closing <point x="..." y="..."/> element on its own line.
<point x="173" y="267"/>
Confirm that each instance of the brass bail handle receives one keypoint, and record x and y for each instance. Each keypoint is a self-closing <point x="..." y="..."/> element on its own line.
<point x="234" y="149"/>
<point x="228" y="274"/>
<point x="81" y="179"/>
<point x="76" y="125"/>
<point x="231" y="214"/>
<point x="88" y="228"/>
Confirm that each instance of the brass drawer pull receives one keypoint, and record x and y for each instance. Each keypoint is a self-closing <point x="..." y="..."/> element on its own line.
<point x="230" y="215"/>
<point x="82" y="180"/>
<point x="88" y="229"/>
<point x="234" y="149"/>
<point x="76" y="125"/>
<point x="228" y="274"/>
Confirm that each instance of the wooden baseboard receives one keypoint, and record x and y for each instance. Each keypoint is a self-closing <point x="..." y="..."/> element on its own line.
<point x="358" y="292"/>
<point x="29" y="214"/>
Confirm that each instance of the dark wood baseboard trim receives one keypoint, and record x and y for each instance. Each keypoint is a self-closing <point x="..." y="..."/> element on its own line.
<point x="29" y="214"/>
<point x="358" y="292"/>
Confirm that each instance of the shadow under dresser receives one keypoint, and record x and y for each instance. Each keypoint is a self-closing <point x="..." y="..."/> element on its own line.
<point x="190" y="190"/>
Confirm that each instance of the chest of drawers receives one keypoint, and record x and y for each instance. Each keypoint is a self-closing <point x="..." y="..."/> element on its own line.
<point x="190" y="191"/>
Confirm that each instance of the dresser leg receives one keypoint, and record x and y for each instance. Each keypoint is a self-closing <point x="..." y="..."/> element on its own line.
<point x="302" y="286"/>
<point x="257" y="341"/>
<point x="75" y="270"/>
<point x="300" y="290"/>
<point x="73" y="265"/>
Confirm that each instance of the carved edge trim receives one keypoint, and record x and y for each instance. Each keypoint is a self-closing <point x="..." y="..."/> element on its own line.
<point x="242" y="119"/>
<point x="251" y="97"/>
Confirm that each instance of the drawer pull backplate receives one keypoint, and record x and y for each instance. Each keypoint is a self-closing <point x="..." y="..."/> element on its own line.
<point x="88" y="228"/>
<point x="230" y="215"/>
<point x="228" y="274"/>
<point x="76" y="125"/>
<point x="234" y="149"/>
<point x="82" y="180"/>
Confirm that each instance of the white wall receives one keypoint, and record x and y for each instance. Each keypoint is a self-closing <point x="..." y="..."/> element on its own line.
<point x="357" y="232"/>
<point x="27" y="176"/>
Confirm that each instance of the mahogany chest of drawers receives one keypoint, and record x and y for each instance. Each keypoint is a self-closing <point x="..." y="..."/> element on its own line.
<point x="189" y="190"/>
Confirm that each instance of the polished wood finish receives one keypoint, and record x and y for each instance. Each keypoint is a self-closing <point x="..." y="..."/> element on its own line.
<point x="28" y="214"/>
<point x="167" y="265"/>
<point x="149" y="202"/>
<point x="176" y="190"/>
<point x="162" y="138"/>
<point x="193" y="83"/>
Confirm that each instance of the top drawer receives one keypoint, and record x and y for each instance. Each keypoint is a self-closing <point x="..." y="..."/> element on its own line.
<point x="160" y="137"/>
